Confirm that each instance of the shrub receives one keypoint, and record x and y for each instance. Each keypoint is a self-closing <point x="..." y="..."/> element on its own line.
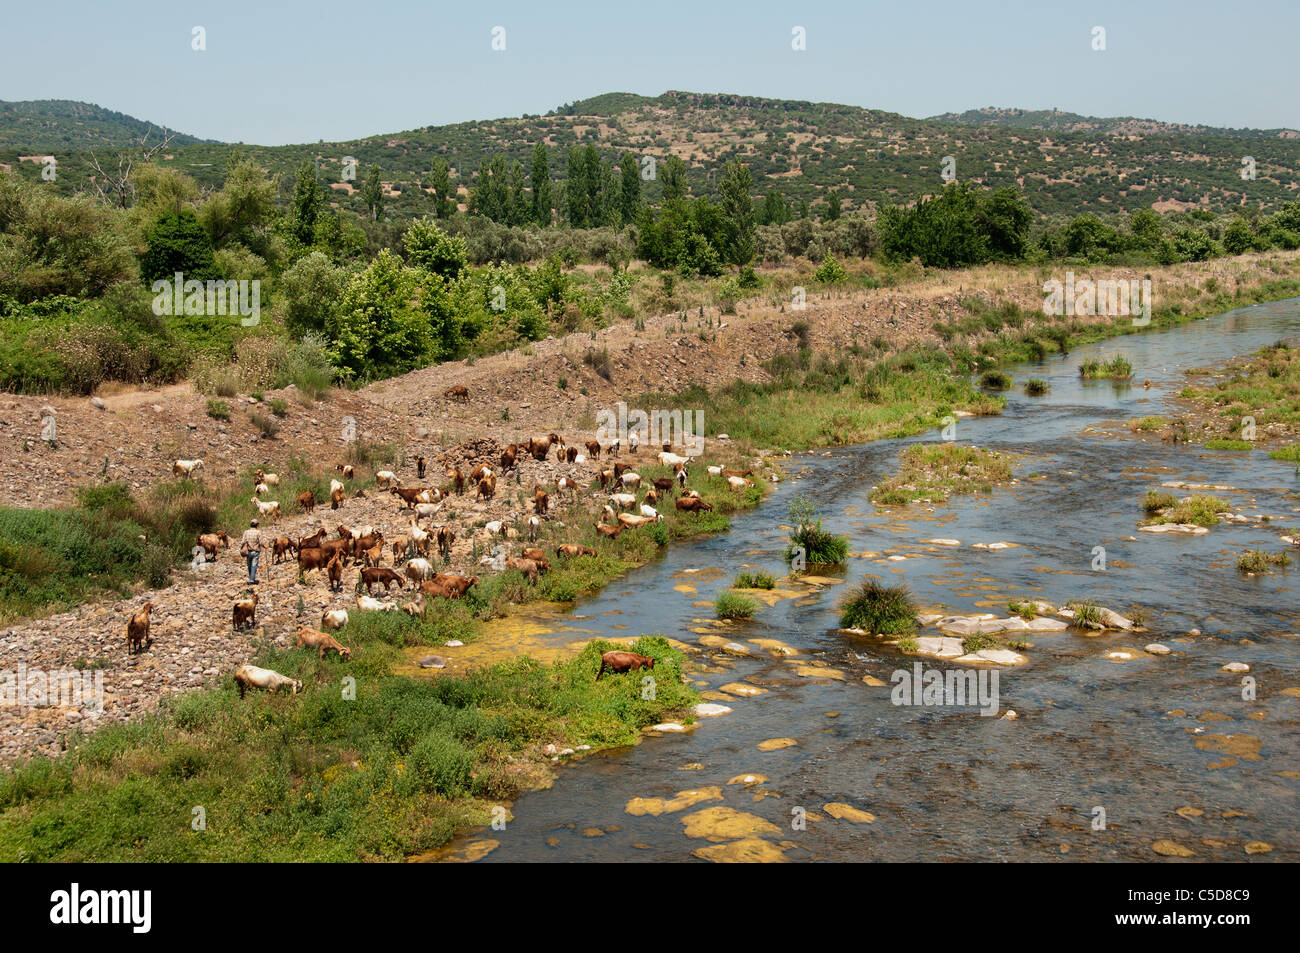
<point x="732" y="605"/>
<point x="218" y="410"/>
<point x="266" y="424"/>
<point x="995" y="380"/>
<point x="1258" y="560"/>
<point x="1036" y="387"/>
<point x="830" y="271"/>
<point x="879" y="609"/>
<point x="754" y="580"/>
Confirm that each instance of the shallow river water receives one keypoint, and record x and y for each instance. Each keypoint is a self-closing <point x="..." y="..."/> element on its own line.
<point x="1166" y="745"/>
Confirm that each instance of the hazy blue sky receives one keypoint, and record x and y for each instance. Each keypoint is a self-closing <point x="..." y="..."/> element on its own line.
<point x="339" y="70"/>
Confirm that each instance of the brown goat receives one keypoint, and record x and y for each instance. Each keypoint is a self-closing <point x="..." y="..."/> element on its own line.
<point x="420" y="464"/>
<point x="244" y="612"/>
<point x="609" y="532"/>
<point x="508" y="456"/>
<point x="335" y="569"/>
<point x="211" y="542"/>
<point x="280" y="546"/>
<point x="459" y="392"/>
<point x="692" y="504"/>
<point x="570" y="550"/>
<point x="321" y="642"/>
<point x="620" y="662"/>
<point x="487" y="487"/>
<point x="137" y="630"/>
<point x="446" y="536"/>
<point x="528" y="567"/>
<point x="381" y="575"/>
<point x="593" y="449"/>
<point x="457" y="479"/>
<point x="307" y="501"/>
<point x="540" y="500"/>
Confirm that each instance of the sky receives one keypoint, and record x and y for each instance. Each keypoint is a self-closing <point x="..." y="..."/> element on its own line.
<point x="275" y="73"/>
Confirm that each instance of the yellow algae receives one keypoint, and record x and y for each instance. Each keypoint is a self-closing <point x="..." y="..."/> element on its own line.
<point x="818" y="671"/>
<point x="693" y="766"/>
<point x="553" y="842"/>
<point x="774" y="647"/>
<point x="1257" y="715"/>
<point x="1288" y="774"/>
<point x="748" y="779"/>
<point x="776" y="744"/>
<point x="1293" y="692"/>
<point x="750" y="850"/>
<point x="466" y="854"/>
<point x="1245" y="747"/>
<point x="1168" y="848"/>
<point x="655" y="806"/>
<point x="726" y="823"/>
<point x="1222" y="763"/>
<point x="772" y="596"/>
<point x="1189" y="812"/>
<point x="873" y="681"/>
<point x="686" y="587"/>
<point x="740" y="688"/>
<point x="1214" y="716"/>
<point x="1231" y="813"/>
<point x="713" y="696"/>
<point x="592" y="832"/>
<point x="847" y="812"/>
<point x="714" y="641"/>
<point x="1258" y="847"/>
<point x="820" y="580"/>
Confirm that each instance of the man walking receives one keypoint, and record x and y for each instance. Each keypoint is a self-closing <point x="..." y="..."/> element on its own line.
<point x="250" y="547"/>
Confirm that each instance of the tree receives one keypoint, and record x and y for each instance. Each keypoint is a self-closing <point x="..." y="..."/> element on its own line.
<point x="242" y="209"/>
<point x="178" y="243"/>
<point x="307" y="202"/>
<point x="775" y="211"/>
<point x="1145" y="228"/>
<point x="429" y="248"/>
<point x="541" y="183"/>
<point x="738" y="211"/>
<point x="310" y="293"/>
<point x="629" y="195"/>
<point x="380" y="329"/>
<point x="832" y="212"/>
<point x="372" y="193"/>
<point x="1005" y="218"/>
<point x="1238" y="238"/>
<point x="943" y="230"/>
<point x="676" y="186"/>
<point x="444" y="198"/>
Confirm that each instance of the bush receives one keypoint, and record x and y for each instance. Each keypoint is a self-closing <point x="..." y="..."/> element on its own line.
<point x="732" y="605"/>
<point x="266" y="424"/>
<point x="754" y="580"/>
<point x="1036" y="387"/>
<point x="830" y="271"/>
<point x="879" y="609"/>
<point x="218" y="410"/>
<point x="995" y="380"/>
<point x="1257" y="560"/>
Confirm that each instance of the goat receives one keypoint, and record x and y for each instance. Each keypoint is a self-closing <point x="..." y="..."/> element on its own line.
<point x="336" y="494"/>
<point x="244" y="613"/>
<point x="487" y="487"/>
<point x="593" y="449"/>
<point x="335" y="570"/>
<point x="369" y="604"/>
<point x="667" y="458"/>
<point x="446" y="536"/>
<point x="307" y="501"/>
<point x="457" y="479"/>
<point x="280" y="546"/>
<point x="566" y="483"/>
<point x="539" y="448"/>
<point x="528" y="567"/>
<point x="425" y="511"/>
<point x="419" y="467"/>
<point x="540" y="500"/>
<point x="321" y="642"/>
<point x="250" y="676"/>
<point x="739" y="483"/>
<point x="533" y="525"/>
<point x="334" y="618"/>
<point x="271" y="509"/>
<point x="345" y="469"/>
<point x="620" y="662"/>
<point x="417" y="605"/>
<point x="137" y="630"/>
<point x="508" y="457"/>
<point x="627" y="519"/>
<point x="624" y="501"/>
<point x="386" y="478"/>
<point x="211" y="542"/>
<point x="692" y="504"/>
<point x="459" y="392"/>
<point x="609" y="532"/>
<point x="380" y="575"/>
<point x="270" y="479"/>
<point x="570" y="550"/>
<point x="663" y="484"/>
<point x="418" y="570"/>
<point x="631" y="481"/>
<point x="186" y="468"/>
<point x="261" y="489"/>
<point x="459" y="585"/>
<point x="650" y="512"/>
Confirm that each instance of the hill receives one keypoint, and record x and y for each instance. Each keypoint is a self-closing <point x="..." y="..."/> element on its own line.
<point x="60" y="125"/>
<point x="1064" y="163"/>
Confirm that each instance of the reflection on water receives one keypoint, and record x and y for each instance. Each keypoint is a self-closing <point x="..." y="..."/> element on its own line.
<point x="1165" y="746"/>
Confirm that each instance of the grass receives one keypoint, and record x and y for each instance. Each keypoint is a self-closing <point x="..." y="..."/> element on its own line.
<point x="1118" y="368"/>
<point x="879" y="609"/>
<point x="218" y="409"/>
<point x="1037" y="387"/>
<point x="1086" y="612"/>
<point x="1256" y="393"/>
<point x="754" y="580"/>
<point x="995" y="380"/>
<point x="936" y="471"/>
<point x="1148" y="424"/>
<point x="1155" y="500"/>
<point x="51" y="560"/>
<point x="809" y="542"/>
<point x="1201" y="510"/>
<point x="318" y="777"/>
<point x="1258" y="560"/>
<point x="1224" y="443"/>
<point x="1026" y="610"/>
<point x="1289" y="453"/>
<point x="733" y="605"/>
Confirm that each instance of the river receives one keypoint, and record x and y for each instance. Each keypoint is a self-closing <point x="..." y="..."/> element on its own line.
<point x="1165" y="746"/>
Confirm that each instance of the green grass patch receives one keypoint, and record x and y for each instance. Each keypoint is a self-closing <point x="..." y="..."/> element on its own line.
<point x="935" y="471"/>
<point x="879" y="609"/>
<point x="1259" y="560"/>
<point x="733" y="605"/>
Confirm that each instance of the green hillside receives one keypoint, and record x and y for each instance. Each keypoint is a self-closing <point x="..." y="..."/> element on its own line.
<point x="1063" y="163"/>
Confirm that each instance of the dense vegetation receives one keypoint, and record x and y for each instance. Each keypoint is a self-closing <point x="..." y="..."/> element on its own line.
<point x="371" y="277"/>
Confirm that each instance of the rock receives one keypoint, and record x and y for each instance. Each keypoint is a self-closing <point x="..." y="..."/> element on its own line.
<point x="995" y="656"/>
<point x="667" y="726"/>
<point x="709" y="709"/>
<point x="97" y="403"/>
<point x="1044" y="624"/>
<point x="1237" y="668"/>
<point x="1155" y="648"/>
<point x="433" y="661"/>
<point x="943" y="541"/>
<point x="939" y="646"/>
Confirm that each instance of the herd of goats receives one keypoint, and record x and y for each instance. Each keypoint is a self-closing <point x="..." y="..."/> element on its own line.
<point x="364" y="546"/>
